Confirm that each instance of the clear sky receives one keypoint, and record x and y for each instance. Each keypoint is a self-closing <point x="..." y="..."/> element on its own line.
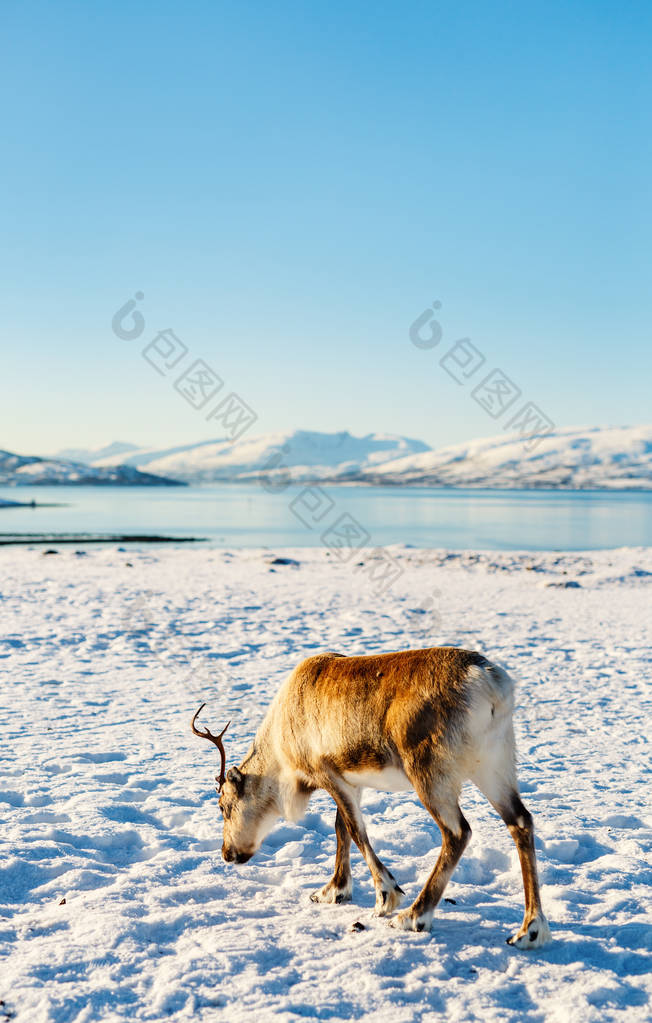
<point x="290" y="185"/>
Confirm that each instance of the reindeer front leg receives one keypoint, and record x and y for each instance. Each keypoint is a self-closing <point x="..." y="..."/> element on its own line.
<point x="340" y="886"/>
<point x="347" y="798"/>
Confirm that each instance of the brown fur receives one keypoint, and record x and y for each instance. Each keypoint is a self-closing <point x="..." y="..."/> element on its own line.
<point x="393" y="707"/>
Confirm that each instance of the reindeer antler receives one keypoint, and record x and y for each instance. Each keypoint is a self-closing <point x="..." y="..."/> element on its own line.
<point x="217" y="739"/>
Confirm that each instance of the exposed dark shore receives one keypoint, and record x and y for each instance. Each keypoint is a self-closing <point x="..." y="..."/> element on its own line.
<point x="31" y="504"/>
<point x="7" y="539"/>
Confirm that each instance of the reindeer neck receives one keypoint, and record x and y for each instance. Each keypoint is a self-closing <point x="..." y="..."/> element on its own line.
<point x="261" y="760"/>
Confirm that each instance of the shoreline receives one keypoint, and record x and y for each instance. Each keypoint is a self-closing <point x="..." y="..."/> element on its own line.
<point x="273" y="485"/>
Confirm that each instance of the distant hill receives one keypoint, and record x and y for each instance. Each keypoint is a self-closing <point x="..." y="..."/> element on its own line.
<point x="305" y="454"/>
<point x="90" y="455"/>
<point x="25" y="470"/>
<point x="571" y="458"/>
<point x="576" y="459"/>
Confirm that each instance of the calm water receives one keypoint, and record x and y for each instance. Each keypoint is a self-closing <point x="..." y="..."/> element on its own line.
<point x="248" y="516"/>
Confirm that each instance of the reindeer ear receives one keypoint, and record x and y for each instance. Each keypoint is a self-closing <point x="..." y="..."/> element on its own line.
<point x="236" y="777"/>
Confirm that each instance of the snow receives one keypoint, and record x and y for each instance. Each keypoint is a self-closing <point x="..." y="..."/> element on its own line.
<point x="306" y="453"/>
<point x="90" y="455"/>
<point x="573" y="458"/>
<point x="107" y="800"/>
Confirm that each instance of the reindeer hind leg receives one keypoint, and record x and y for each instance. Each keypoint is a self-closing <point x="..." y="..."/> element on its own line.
<point x="534" y="931"/>
<point x="496" y="779"/>
<point x="441" y="800"/>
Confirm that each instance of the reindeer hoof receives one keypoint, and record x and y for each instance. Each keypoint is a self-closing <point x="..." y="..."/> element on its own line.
<point x="536" y="934"/>
<point x="332" y="895"/>
<point x="388" y="900"/>
<point x="408" y="920"/>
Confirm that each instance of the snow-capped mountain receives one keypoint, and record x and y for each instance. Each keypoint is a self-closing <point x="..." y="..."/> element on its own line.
<point x="303" y="454"/>
<point x="571" y="458"/>
<point x="90" y="455"/>
<point x="23" y="470"/>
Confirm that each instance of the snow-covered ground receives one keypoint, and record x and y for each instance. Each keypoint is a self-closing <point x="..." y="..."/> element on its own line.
<point x="107" y="801"/>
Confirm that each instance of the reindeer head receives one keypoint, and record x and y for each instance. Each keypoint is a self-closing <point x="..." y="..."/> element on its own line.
<point x="246" y="803"/>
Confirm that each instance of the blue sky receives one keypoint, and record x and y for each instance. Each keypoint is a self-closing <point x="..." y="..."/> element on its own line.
<point x="290" y="185"/>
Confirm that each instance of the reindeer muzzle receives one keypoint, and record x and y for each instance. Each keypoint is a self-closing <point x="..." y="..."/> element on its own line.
<point x="231" y="856"/>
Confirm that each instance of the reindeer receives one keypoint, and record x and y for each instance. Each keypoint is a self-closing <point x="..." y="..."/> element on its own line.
<point x="417" y="719"/>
